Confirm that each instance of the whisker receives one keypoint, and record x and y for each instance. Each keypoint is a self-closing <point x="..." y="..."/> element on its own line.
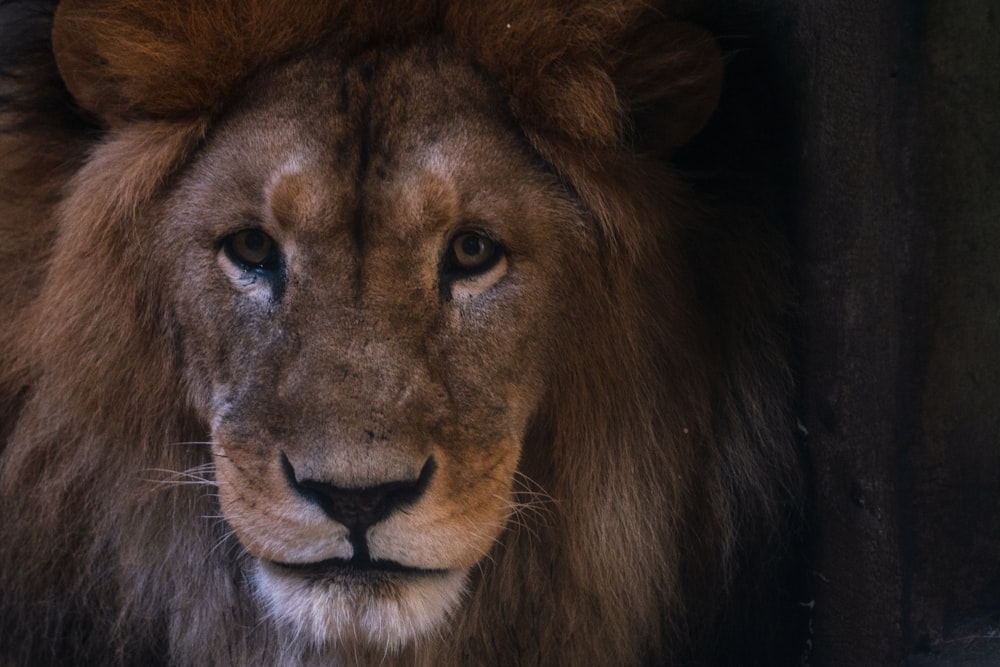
<point x="200" y="475"/>
<point x="529" y="507"/>
<point x="226" y="540"/>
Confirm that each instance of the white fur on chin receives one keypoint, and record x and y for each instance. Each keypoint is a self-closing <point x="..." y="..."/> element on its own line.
<point x="388" y="611"/>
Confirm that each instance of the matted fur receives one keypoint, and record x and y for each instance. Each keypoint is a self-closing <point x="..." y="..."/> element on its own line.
<point x="656" y="467"/>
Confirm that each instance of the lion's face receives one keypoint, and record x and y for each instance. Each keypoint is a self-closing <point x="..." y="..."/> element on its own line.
<point x="368" y="288"/>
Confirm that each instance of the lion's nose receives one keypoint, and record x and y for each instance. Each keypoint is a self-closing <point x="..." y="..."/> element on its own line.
<point x="360" y="508"/>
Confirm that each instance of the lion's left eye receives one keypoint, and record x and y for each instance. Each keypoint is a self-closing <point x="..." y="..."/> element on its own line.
<point x="471" y="253"/>
<point x="252" y="250"/>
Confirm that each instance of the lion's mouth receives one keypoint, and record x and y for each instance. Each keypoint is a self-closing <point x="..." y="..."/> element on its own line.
<point x="353" y="568"/>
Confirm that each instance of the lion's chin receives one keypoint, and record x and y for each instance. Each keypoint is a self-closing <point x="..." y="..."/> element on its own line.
<point x="336" y="603"/>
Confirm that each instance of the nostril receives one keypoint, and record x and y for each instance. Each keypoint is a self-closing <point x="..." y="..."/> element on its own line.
<point x="359" y="508"/>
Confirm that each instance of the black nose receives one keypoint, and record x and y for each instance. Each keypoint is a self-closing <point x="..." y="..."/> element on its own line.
<point x="359" y="508"/>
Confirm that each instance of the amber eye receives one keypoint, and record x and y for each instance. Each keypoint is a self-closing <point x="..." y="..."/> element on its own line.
<point x="252" y="250"/>
<point x="471" y="252"/>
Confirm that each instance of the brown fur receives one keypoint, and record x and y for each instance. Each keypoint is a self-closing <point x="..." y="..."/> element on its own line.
<point x="607" y="414"/>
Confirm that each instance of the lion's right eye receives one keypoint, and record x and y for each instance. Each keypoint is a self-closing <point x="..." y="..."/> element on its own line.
<point x="252" y="250"/>
<point x="469" y="254"/>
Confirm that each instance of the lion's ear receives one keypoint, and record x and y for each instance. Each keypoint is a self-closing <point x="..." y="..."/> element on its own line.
<point x="168" y="58"/>
<point x="671" y="79"/>
<point x="91" y="41"/>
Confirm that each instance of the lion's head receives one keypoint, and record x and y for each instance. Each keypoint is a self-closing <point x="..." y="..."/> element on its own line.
<point x="409" y="297"/>
<point x="367" y="266"/>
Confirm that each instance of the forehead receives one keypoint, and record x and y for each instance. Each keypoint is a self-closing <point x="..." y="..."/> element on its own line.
<point x="373" y="109"/>
<point x="373" y="130"/>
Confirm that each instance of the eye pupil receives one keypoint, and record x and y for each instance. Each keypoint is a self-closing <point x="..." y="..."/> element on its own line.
<point x="253" y="240"/>
<point x="472" y="245"/>
<point x="472" y="251"/>
<point x="252" y="249"/>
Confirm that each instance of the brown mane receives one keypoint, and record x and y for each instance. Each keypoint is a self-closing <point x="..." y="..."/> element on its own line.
<point x="669" y="455"/>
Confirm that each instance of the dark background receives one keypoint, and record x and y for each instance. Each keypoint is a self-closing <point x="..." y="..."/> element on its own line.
<point x="882" y="122"/>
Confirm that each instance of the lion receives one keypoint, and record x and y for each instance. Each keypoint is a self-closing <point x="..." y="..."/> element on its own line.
<point x="379" y="333"/>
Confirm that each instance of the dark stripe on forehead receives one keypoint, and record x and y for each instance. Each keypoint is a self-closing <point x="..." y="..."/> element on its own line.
<point x="362" y="74"/>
